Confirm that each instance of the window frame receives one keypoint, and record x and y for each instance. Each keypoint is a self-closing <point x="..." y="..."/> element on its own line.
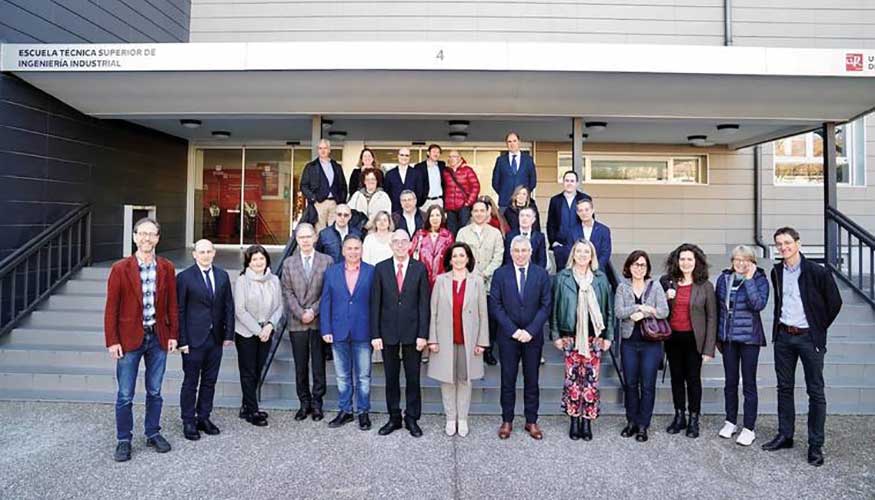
<point x="855" y="149"/>
<point x="703" y="159"/>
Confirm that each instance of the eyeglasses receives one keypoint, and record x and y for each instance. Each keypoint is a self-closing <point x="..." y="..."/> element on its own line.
<point x="147" y="235"/>
<point x="342" y="215"/>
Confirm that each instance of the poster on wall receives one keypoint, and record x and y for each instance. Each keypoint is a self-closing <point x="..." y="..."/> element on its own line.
<point x="270" y="180"/>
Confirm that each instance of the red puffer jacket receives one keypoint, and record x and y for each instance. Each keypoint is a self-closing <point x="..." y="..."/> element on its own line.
<point x="461" y="191"/>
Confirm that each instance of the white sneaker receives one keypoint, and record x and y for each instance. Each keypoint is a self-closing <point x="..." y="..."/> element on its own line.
<point x="463" y="428"/>
<point x="451" y="428"/>
<point x="728" y="430"/>
<point x="746" y="437"/>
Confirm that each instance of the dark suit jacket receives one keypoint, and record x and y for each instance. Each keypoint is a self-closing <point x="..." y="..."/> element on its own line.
<point x="401" y="222"/>
<point x="400" y="319"/>
<point x="504" y="181"/>
<point x="601" y="239"/>
<point x="314" y="184"/>
<point x="821" y="299"/>
<point x="554" y="216"/>
<point x="123" y="314"/>
<point x="426" y="184"/>
<point x="529" y="312"/>
<point x="539" y="247"/>
<point x="330" y="244"/>
<point x="341" y="314"/>
<point x="393" y="186"/>
<point x="197" y="311"/>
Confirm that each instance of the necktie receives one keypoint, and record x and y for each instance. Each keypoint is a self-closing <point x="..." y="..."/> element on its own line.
<point x="522" y="280"/>
<point x="209" y="283"/>
<point x="399" y="276"/>
<point x="307" y="267"/>
<point x="513" y="164"/>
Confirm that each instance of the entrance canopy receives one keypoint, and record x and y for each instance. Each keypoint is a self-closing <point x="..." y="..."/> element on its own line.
<point x="647" y="93"/>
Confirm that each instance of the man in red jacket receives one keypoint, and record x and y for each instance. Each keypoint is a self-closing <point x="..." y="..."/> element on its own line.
<point x="141" y="321"/>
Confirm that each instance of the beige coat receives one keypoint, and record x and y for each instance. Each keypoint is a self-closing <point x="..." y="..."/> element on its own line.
<point x="488" y="249"/>
<point x="475" y="325"/>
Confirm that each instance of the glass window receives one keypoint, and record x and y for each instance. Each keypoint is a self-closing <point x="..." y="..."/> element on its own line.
<point x="628" y="170"/>
<point x="611" y="168"/>
<point x="799" y="160"/>
<point x="267" y="196"/>
<point x="217" y="195"/>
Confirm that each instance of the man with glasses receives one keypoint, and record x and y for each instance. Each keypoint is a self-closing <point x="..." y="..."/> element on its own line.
<point x="461" y="189"/>
<point x="432" y="173"/>
<point x="141" y="322"/>
<point x="331" y="238"/>
<point x="402" y="178"/>
<point x="399" y="325"/>
<point x="409" y="218"/>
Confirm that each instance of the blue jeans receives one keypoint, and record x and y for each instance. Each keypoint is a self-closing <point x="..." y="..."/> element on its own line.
<point x="747" y="355"/>
<point x="352" y="365"/>
<point x="126" y="373"/>
<point x="640" y="364"/>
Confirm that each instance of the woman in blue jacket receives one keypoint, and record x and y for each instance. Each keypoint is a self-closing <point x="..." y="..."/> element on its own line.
<point x="742" y="292"/>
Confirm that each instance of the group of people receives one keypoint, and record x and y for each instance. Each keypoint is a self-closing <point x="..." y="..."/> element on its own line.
<point x="416" y="262"/>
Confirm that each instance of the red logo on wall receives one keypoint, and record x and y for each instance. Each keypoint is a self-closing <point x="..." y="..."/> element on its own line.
<point x="853" y="62"/>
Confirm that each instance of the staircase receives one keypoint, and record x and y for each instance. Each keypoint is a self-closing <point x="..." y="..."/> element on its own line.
<point x="58" y="354"/>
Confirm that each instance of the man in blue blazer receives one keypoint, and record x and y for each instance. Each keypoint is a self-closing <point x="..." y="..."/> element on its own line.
<point x="562" y="211"/>
<point x="586" y="228"/>
<point x="402" y="178"/>
<point x="513" y="169"/>
<point x="535" y="237"/>
<point x="206" y="324"/>
<point x="344" y="312"/>
<point x="399" y="325"/>
<point x="521" y="299"/>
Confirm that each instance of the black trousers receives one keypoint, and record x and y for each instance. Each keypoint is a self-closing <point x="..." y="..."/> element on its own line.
<point x="251" y="356"/>
<point x="511" y="353"/>
<point x="201" y="370"/>
<point x="458" y="219"/>
<point x="788" y="350"/>
<point x="412" y="359"/>
<point x="746" y="355"/>
<point x="685" y="365"/>
<point x="309" y="348"/>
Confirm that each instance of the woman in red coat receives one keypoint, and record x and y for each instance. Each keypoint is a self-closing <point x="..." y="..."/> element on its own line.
<point x="431" y="243"/>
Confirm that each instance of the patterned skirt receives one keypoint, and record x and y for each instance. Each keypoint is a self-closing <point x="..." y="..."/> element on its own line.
<point x="580" y="394"/>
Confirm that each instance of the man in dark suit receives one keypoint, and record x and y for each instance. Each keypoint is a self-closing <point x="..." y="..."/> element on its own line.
<point x="399" y="325"/>
<point x="513" y="169"/>
<point x="206" y="323"/>
<point x="331" y="238"/>
<point x="409" y="218"/>
<point x="432" y="173"/>
<point x="587" y="228"/>
<point x="807" y="301"/>
<point x="302" y="278"/>
<point x="535" y="237"/>
<point x="323" y="185"/>
<point x="521" y="300"/>
<point x="562" y="211"/>
<point x="402" y="178"/>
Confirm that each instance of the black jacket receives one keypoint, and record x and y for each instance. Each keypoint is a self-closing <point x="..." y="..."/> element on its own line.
<point x="821" y="299"/>
<point x="400" y="318"/>
<point x="555" y="232"/>
<point x="426" y="185"/>
<point x="314" y="184"/>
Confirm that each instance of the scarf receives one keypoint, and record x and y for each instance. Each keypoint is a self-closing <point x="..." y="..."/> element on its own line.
<point x="587" y="310"/>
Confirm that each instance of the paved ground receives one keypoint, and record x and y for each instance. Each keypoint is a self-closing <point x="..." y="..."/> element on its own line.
<point x="59" y="450"/>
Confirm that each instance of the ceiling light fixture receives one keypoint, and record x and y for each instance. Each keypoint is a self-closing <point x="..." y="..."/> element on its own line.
<point x="596" y="126"/>
<point x="189" y="123"/>
<point x="221" y="134"/>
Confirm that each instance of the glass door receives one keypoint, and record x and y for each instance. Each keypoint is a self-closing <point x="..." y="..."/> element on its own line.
<point x="267" y="196"/>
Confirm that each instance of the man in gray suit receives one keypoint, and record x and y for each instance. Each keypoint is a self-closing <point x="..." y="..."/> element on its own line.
<point x="302" y="288"/>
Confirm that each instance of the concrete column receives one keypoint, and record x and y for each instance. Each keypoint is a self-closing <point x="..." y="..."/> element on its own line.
<point x="315" y="135"/>
<point x="830" y="193"/>
<point x="577" y="146"/>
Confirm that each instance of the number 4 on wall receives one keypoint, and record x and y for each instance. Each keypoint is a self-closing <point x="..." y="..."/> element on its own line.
<point x="440" y="55"/>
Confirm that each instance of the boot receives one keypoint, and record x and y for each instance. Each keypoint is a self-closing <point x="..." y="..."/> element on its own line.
<point x="586" y="429"/>
<point x="678" y="424"/>
<point x="693" y="428"/>
<point x="574" y="428"/>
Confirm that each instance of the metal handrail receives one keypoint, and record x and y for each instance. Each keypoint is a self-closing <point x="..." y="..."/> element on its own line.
<point x="281" y="326"/>
<point x="28" y="285"/>
<point x="843" y="265"/>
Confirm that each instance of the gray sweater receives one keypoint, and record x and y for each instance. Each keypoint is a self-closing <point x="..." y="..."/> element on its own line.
<point x="625" y="306"/>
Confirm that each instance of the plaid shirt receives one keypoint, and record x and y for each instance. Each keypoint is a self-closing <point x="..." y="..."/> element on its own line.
<point x="148" y="274"/>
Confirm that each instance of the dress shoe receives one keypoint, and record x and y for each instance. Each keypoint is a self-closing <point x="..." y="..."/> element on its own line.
<point x="693" y="426"/>
<point x="341" y="419"/>
<point x="463" y="428"/>
<point x="641" y="436"/>
<point x="815" y="456"/>
<point x="678" y="424"/>
<point x="489" y="358"/>
<point x="630" y="430"/>
<point x="208" y="427"/>
<point x="302" y="413"/>
<point x="159" y="443"/>
<point x="505" y="430"/>
<point x="391" y="426"/>
<point x="574" y="429"/>
<point x="364" y="421"/>
<point x="122" y="451"/>
<point x="258" y="419"/>
<point x="411" y="425"/>
<point x="317" y="414"/>
<point x="244" y="413"/>
<point x="190" y="432"/>
<point x="779" y="442"/>
<point x="586" y="429"/>
<point x="534" y="431"/>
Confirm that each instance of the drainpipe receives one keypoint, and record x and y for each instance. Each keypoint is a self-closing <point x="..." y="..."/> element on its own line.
<point x="727" y="22"/>
<point x="758" y="201"/>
